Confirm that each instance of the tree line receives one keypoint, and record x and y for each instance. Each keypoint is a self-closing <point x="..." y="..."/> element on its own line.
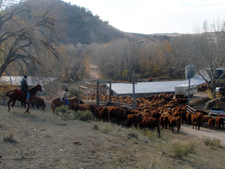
<point x="29" y="45"/>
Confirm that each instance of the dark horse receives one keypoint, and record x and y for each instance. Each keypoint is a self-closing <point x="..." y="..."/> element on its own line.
<point x="58" y="102"/>
<point x="15" y="94"/>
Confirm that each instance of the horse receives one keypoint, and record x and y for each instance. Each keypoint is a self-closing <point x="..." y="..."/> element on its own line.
<point x="16" y="94"/>
<point x="58" y="102"/>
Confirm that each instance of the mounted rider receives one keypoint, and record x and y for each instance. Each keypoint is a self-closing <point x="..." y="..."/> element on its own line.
<point x="24" y="88"/>
<point x="65" y="97"/>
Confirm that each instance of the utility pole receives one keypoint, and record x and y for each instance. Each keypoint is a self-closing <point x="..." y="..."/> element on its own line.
<point x="189" y="81"/>
<point x="189" y="73"/>
<point x="98" y="93"/>
<point x="133" y="79"/>
<point x="110" y="88"/>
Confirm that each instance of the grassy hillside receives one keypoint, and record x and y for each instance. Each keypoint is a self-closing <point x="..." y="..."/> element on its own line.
<point x="43" y="140"/>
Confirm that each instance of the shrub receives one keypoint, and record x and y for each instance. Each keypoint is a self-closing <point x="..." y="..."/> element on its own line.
<point x="65" y="113"/>
<point x="133" y="135"/>
<point x="83" y="115"/>
<point x="151" y="134"/>
<point x="8" y="137"/>
<point x="107" y="129"/>
<point x="212" y="142"/>
<point x="182" y="148"/>
<point x="68" y="114"/>
<point x="63" y="110"/>
<point x="73" y="91"/>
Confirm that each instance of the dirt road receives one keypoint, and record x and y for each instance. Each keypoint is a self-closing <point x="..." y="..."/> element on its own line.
<point x="204" y="133"/>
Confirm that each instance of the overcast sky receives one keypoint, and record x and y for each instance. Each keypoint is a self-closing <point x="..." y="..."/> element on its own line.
<point x="155" y="16"/>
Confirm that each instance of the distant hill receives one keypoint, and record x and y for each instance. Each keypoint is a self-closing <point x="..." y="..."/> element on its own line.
<point x="78" y="25"/>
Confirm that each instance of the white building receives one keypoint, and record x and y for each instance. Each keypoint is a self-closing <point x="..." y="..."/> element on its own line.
<point x="149" y="88"/>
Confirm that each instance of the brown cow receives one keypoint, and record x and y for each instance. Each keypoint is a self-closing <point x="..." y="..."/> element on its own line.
<point x="219" y="122"/>
<point x="132" y="120"/>
<point x="96" y="112"/>
<point x="76" y="106"/>
<point x="212" y="123"/>
<point x="155" y="114"/>
<point x="175" y="121"/>
<point x="122" y="117"/>
<point x="164" y="120"/>
<point x="188" y="117"/>
<point x="206" y="119"/>
<point x="150" y="122"/>
<point x="183" y="116"/>
<point x="176" y="114"/>
<point x="117" y="114"/>
<point x="196" y="120"/>
<point x="104" y="114"/>
<point x="114" y="111"/>
<point x="38" y="102"/>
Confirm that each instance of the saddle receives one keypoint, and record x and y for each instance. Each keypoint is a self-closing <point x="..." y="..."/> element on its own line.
<point x="20" y="92"/>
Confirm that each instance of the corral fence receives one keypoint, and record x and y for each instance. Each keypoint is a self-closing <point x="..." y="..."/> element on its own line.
<point x="190" y="109"/>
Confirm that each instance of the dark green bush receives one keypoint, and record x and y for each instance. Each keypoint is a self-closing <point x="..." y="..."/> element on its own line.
<point x="68" y="114"/>
<point x="83" y="115"/>
<point x="63" y="110"/>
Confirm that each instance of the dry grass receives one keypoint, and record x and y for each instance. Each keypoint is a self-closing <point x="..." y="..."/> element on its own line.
<point x="209" y="93"/>
<point x="182" y="148"/>
<point x="212" y="142"/>
<point x="44" y="140"/>
<point x="199" y="101"/>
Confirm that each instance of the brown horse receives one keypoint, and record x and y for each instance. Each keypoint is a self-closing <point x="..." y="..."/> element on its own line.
<point x="15" y="94"/>
<point x="58" y="102"/>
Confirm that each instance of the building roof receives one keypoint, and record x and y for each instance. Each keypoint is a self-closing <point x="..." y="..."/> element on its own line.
<point x="31" y="81"/>
<point x="152" y="87"/>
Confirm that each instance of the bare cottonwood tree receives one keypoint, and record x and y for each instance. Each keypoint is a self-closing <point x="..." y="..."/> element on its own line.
<point x="23" y="35"/>
<point x="208" y="52"/>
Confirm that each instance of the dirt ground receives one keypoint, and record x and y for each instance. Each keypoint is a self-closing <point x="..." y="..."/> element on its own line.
<point x="43" y="140"/>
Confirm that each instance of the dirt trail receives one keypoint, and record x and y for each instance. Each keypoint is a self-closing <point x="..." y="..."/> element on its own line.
<point x="204" y="133"/>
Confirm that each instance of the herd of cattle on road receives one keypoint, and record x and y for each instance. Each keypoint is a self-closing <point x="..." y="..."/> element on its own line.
<point x="152" y="112"/>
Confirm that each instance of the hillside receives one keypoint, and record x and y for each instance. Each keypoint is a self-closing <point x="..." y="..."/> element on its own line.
<point x="43" y="140"/>
<point x="77" y="24"/>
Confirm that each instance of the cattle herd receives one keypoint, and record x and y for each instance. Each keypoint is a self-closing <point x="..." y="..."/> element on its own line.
<point x="163" y="111"/>
<point x="157" y="111"/>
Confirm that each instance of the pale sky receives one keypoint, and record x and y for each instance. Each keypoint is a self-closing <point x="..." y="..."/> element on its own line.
<point x="155" y="16"/>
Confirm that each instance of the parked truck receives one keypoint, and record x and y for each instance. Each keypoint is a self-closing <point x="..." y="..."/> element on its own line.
<point x="220" y="90"/>
<point x="217" y="112"/>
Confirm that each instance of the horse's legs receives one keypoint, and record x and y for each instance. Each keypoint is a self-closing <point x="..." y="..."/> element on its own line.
<point x="8" y="103"/>
<point x="178" y="128"/>
<point x="53" y="109"/>
<point x="27" y="110"/>
<point x="13" y="104"/>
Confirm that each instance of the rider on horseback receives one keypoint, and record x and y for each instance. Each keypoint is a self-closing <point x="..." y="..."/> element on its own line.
<point x="65" y="97"/>
<point x="24" y="88"/>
